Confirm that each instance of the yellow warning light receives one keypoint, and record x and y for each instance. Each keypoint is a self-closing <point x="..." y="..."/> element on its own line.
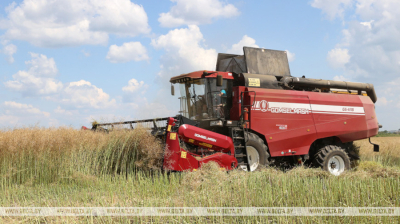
<point x="172" y="136"/>
<point x="183" y="154"/>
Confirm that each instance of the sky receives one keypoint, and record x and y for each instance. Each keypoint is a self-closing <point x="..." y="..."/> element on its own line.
<point x="72" y="62"/>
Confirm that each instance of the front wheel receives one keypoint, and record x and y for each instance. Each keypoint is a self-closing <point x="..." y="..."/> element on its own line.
<point x="333" y="159"/>
<point x="257" y="152"/>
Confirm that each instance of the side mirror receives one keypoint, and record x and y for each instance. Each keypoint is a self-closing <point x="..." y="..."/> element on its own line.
<point x="172" y="90"/>
<point x="219" y="80"/>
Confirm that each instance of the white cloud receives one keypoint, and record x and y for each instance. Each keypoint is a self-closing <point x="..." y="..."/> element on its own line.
<point x="134" y="86"/>
<point x="83" y="94"/>
<point x="291" y="56"/>
<point x="8" y="120"/>
<point x="369" y="51"/>
<point x="340" y="78"/>
<point x="61" y="111"/>
<point x="13" y="114"/>
<point x="156" y="109"/>
<point x="332" y="8"/>
<point x="367" y="24"/>
<point x="47" y="23"/>
<point x="42" y="66"/>
<point x="338" y="57"/>
<point x="31" y="85"/>
<point x="38" y="79"/>
<point x="132" y="51"/>
<point x="374" y="46"/>
<point x="246" y="41"/>
<point x="146" y="109"/>
<point x="12" y="107"/>
<point x="133" y="92"/>
<point x="121" y="17"/>
<point x="196" y="12"/>
<point x="9" y="50"/>
<point x="184" y="52"/>
<point x="382" y="101"/>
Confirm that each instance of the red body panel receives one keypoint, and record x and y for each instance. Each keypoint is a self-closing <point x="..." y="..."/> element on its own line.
<point x="292" y="120"/>
<point x="205" y="138"/>
<point x="223" y="160"/>
<point x="176" y="158"/>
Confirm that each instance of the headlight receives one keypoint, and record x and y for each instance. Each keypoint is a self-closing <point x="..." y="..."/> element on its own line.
<point x="216" y="123"/>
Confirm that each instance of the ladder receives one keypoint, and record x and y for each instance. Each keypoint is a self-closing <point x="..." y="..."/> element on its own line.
<point x="239" y="142"/>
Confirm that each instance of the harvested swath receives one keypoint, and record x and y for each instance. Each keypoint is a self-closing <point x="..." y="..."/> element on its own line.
<point x="211" y="174"/>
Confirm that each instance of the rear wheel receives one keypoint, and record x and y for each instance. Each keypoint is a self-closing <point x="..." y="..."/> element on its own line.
<point x="257" y="152"/>
<point x="332" y="158"/>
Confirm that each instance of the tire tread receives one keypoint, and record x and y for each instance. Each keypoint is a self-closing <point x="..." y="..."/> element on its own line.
<point x="322" y="155"/>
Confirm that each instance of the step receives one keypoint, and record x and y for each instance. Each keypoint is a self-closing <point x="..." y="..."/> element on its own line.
<point x="240" y="155"/>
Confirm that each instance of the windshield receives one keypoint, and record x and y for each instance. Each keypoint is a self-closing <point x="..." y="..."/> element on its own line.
<point x="203" y="99"/>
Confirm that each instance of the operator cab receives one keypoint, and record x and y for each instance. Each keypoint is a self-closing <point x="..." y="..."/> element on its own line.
<point x="202" y="98"/>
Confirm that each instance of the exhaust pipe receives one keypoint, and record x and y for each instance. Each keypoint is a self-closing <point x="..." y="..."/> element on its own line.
<point x="320" y="83"/>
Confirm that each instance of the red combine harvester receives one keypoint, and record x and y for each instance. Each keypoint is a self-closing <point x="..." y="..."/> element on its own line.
<point x="251" y="112"/>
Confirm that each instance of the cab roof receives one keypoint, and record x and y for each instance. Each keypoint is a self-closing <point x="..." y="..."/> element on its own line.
<point x="198" y="75"/>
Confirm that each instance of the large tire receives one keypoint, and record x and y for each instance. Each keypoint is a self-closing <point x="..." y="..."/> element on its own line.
<point x="353" y="152"/>
<point x="333" y="159"/>
<point x="257" y="152"/>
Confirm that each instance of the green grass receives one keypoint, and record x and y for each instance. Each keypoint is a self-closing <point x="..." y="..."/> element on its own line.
<point x="71" y="168"/>
<point x="213" y="188"/>
<point x="387" y="134"/>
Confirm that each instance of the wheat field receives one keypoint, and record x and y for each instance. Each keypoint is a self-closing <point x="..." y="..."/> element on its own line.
<point x="389" y="153"/>
<point x="68" y="167"/>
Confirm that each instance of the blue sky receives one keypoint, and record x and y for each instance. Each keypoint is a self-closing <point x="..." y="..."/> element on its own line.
<point x="71" y="62"/>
